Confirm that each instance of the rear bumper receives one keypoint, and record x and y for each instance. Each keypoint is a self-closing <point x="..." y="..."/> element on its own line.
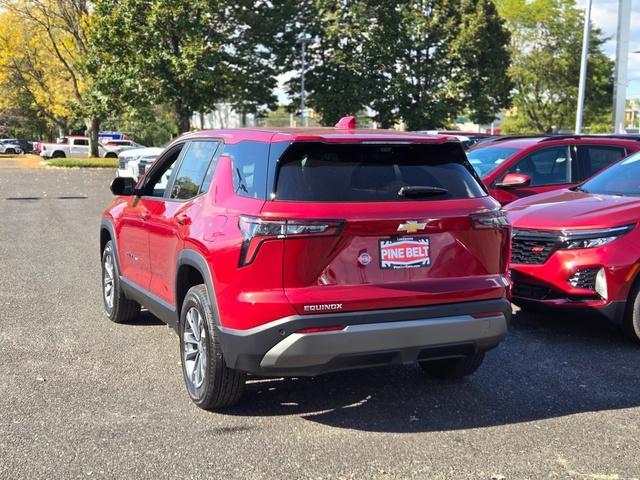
<point x="369" y="338"/>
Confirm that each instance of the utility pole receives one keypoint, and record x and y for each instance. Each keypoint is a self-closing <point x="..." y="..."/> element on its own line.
<point x="302" y="40"/>
<point x="622" y="59"/>
<point x="583" y="67"/>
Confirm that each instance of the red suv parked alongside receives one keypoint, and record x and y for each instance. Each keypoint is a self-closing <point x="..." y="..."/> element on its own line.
<point x="516" y="167"/>
<point x="579" y="248"/>
<point x="299" y="252"/>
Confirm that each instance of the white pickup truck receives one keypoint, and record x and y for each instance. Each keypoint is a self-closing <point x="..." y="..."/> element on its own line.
<point x="74" y="147"/>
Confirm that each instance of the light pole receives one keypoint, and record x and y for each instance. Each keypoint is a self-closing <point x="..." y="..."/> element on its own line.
<point x="583" y="67"/>
<point x="622" y="59"/>
<point x="302" y="40"/>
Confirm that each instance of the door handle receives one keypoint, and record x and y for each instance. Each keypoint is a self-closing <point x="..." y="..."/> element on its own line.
<point x="183" y="219"/>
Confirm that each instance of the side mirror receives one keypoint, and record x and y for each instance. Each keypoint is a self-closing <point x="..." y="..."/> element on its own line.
<point x="123" y="186"/>
<point x="512" y="180"/>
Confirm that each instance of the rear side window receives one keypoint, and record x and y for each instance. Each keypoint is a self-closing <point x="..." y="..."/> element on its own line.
<point x="375" y="173"/>
<point x="594" y="158"/>
<point x="81" y="142"/>
<point x="249" y="164"/>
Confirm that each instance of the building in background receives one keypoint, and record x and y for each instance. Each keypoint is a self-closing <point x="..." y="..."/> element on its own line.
<point x="632" y="115"/>
<point x="223" y="115"/>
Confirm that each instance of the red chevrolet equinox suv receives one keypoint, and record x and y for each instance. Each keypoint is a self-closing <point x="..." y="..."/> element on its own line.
<point x="299" y="252"/>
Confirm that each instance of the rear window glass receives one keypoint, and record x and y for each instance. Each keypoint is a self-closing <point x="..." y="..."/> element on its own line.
<point x="375" y="173"/>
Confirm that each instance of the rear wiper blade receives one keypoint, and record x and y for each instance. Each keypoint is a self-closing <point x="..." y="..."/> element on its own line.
<point x="421" y="190"/>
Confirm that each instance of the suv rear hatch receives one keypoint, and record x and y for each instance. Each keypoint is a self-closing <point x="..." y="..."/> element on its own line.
<point x="370" y="226"/>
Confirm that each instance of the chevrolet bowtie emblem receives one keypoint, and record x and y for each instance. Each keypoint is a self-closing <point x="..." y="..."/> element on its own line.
<point x="411" y="226"/>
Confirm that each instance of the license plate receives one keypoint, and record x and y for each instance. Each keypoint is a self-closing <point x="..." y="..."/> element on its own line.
<point x="399" y="253"/>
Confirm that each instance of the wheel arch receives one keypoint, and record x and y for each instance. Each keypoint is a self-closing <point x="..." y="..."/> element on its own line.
<point x="107" y="233"/>
<point x="192" y="267"/>
<point x="634" y="283"/>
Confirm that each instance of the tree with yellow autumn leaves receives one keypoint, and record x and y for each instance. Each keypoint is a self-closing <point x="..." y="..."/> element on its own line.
<point x="43" y="47"/>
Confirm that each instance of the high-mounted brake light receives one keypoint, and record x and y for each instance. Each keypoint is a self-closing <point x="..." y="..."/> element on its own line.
<point x="256" y="231"/>
<point x="346" y="123"/>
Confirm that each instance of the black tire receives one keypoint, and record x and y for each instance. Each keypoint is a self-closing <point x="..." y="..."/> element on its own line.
<point x="10" y="151"/>
<point x="121" y="310"/>
<point x="452" y="368"/>
<point x="220" y="385"/>
<point x="111" y="155"/>
<point x="631" y="323"/>
<point x="58" y="154"/>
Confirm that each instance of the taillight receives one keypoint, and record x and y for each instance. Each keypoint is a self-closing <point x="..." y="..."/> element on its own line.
<point x="257" y="230"/>
<point x="492" y="220"/>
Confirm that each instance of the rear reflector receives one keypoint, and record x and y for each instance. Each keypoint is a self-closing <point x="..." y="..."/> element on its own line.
<point x="486" y="314"/>
<point x="334" y="328"/>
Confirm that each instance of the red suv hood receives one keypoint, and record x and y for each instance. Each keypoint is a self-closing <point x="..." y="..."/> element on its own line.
<point x="565" y="209"/>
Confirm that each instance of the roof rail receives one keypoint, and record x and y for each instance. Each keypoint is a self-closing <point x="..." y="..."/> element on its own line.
<point x="606" y="135"/>
<point x="547" y="137"/>
<point x="519" y="137"/>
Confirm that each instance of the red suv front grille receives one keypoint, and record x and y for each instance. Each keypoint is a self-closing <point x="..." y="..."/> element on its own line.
<point x="533" y="248"/>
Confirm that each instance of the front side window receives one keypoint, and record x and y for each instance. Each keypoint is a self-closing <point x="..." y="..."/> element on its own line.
<point x="81" y="143"/>
<point x="551" y="166"/>
<point x="156" y="184"/>
<point x="486" y="159"/>
<point x="192" y="170"/>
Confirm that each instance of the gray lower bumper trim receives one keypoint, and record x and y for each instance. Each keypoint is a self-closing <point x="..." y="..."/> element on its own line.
<point x="408" y="338"/>
<point x="371" y="337"/>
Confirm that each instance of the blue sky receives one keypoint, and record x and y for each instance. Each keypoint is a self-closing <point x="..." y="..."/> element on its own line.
<point x="605" y="15"/>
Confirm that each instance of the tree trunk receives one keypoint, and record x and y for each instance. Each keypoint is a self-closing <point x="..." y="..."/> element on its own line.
<point x="184" y="117"/>
<point x="93" y="128"/>
<point x="63" y="130"/>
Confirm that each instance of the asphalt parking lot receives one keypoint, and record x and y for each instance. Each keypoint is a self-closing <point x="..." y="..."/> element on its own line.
<point x="84" y="397"/>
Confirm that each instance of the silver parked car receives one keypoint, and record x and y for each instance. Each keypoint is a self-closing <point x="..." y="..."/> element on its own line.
<point x="10" y="146"/>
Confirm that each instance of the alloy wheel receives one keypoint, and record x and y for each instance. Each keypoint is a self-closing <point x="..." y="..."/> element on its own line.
<point x="194" y="348"/>
<point x="108" y="278"/>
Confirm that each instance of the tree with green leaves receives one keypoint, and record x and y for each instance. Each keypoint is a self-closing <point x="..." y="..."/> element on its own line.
<point x="189" y="55"/>
<point x="546" y="43"/>
<point x="420" y="62"/>
<point x="336" y="79"/>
